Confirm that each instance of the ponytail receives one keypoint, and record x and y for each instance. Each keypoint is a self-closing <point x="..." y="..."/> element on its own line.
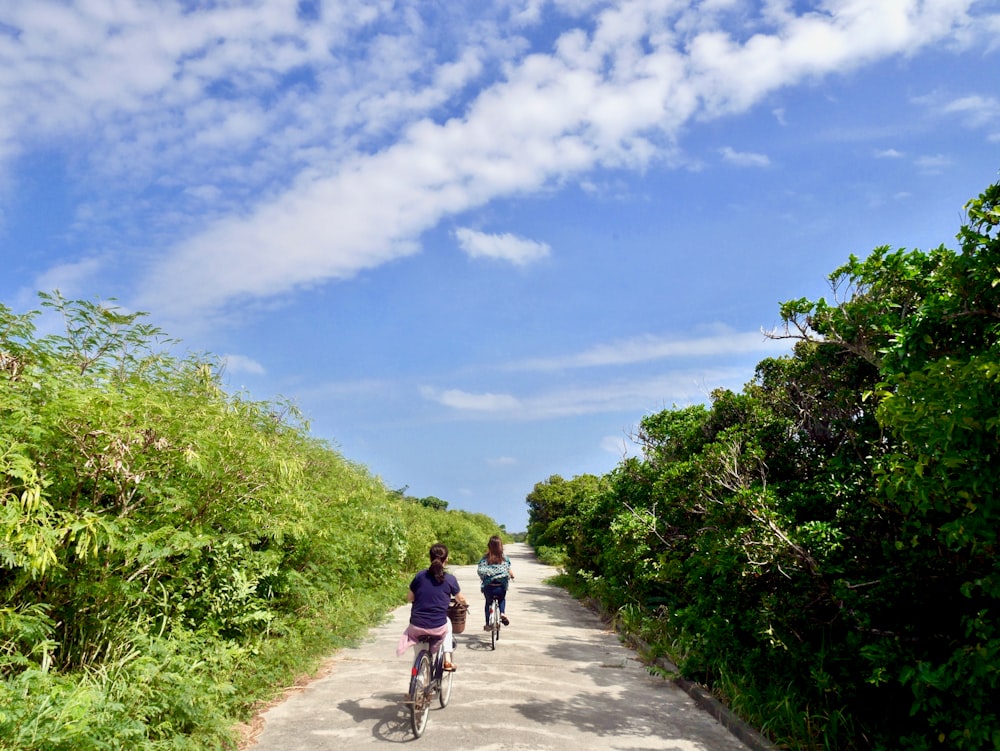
<point x="438" y="554"/>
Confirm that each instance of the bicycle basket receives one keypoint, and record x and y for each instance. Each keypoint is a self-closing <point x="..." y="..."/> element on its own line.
<point x="457" y="612"/>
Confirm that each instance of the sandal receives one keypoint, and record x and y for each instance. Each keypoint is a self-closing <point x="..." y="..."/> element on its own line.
<point x="504" y="620"/>
<point x="448" y="667"/>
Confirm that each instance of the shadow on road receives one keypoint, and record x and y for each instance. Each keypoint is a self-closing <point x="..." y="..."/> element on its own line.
<point x="598" y="714"/>
<point x="482" y="644"/>
<point x="390" y="723"/>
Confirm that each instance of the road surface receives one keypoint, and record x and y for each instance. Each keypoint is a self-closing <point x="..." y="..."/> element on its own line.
<point x="557" y="681"/>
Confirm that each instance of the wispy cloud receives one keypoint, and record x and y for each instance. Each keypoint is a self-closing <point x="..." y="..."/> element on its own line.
<point x="648" y="348"/>
<point x="70" y="278"/>
<point x="242" y="364"/>
<point x="630" y="395"/>
<point x="506" y="247"/>
<point x="502" y="461"/>
<point x="744" y="158"/>
<point x="932" y="163"/>
<point x="977" y="111"/>
<point x="471" y="402"/>
<point x="623" y="393"/>
<point x="322" y="145"/>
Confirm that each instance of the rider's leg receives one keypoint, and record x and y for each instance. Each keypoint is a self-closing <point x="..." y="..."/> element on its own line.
<point x="449" y="647"/>
<point x="503" y="607"/>
<point x="488" y="594"/>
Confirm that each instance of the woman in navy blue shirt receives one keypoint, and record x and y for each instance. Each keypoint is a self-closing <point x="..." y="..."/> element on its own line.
<point x="431" y="592"/>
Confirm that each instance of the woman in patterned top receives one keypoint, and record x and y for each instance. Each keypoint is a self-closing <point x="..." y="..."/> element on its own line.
<point x="495" y="574"/>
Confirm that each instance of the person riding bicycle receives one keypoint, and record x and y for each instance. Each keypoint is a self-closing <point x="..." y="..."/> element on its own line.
<point x="431" y="591"/>
<point x="495" y="575"/>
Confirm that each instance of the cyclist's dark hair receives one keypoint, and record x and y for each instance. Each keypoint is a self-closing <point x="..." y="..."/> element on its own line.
<point x="439" y="554"/>
<point x="494" y="550"/>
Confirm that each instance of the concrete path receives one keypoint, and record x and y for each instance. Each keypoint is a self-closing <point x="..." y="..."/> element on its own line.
<point x="557" y="681"/>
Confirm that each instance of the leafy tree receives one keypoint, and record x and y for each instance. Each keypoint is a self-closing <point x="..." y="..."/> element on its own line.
<point x="821" y="547"/>
<point x="559" y="512"/>
<point x="433" y="502"/>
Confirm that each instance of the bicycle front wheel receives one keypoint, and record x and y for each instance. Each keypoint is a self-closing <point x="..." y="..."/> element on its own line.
<point x="444" y="696"/>
<point x="420" y="695"/>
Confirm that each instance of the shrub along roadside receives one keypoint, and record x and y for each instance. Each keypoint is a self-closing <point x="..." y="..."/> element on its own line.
<point x="821" y="548"/>
<point x="171" y="554"/>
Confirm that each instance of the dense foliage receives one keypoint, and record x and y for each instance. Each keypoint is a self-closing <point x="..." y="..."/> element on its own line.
<point x="171" y="554"/>
<point x="821" y="548"/>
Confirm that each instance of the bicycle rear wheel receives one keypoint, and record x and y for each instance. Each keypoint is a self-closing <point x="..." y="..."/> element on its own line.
<point x="420" y="698"/>
<point x="494" y="624"/>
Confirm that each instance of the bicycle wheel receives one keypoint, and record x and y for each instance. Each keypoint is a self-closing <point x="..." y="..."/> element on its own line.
<point x="494" y="624"/>
<point x="447" y="676"/>
<point x="420" y="700"/>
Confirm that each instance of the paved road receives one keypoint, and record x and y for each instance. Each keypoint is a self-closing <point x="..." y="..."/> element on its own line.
<point x="558" y="681"/>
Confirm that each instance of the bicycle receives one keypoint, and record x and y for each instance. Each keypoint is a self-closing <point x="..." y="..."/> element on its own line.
<point x="428" y="677"/>
<point x="494" y="623"/>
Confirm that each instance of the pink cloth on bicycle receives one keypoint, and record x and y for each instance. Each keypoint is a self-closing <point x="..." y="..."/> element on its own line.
<point x="413" y="633"/>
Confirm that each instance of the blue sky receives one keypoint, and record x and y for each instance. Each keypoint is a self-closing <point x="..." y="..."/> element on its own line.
<point x="477" y="242"/>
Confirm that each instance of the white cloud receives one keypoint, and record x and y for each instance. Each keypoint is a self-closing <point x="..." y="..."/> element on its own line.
<point x="648" y="348"/>
<point x="205" y="193"/>
<point x="553" y="115"/>
<point x="70" y="278"/>
<point x="470" y="402"/>
<point x="974" y="111"/>
<point x="628" y="395"/>
<point x="731" y="75"/>
<point x="502" y="461"/>
<point x="506" y="247"/>
<point x="978" y="111"/>
<point x="744" y="158"/>
<point x="933" y="163"/>
<point x="888" y="154"/>
<point x="327" y="155"/>
<point x="242" y="364"/>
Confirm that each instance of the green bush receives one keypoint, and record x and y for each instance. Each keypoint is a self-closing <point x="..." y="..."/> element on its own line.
<point x="551" y="556"/>
<point x="171" y="554"/>
<point x="820" y="549"/>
